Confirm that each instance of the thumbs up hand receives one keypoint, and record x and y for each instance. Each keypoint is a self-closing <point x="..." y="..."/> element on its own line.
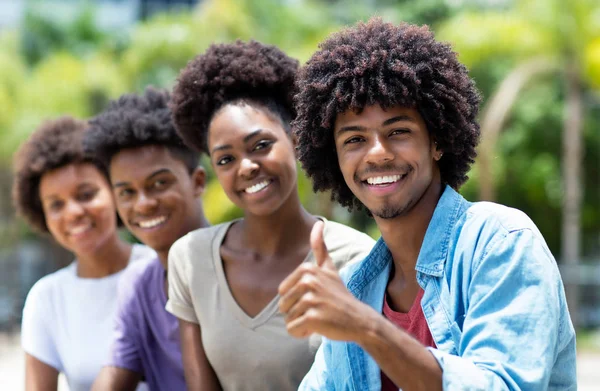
<point x="315" y="299"/>
<point x="319" y="249"/>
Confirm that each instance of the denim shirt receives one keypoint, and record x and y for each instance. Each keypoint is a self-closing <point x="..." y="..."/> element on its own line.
<point x="493" y="299"/>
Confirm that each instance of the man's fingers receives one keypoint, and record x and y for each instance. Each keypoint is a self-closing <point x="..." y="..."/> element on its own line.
<point x="291" y="280"/>
<point x="291" y="297"/>
<point x="317" y="244"/>
<point x="300" y="306"/>
<point x="300" y="327"/>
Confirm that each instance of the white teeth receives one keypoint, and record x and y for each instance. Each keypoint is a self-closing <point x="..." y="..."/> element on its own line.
<point x="378" y="180"/>
<point x="153" y="222"/>
<point x="79" y="230"/>
<point x="257" y="187"/>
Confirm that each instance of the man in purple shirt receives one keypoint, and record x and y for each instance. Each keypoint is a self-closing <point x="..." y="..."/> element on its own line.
<point x="157" y="185"/>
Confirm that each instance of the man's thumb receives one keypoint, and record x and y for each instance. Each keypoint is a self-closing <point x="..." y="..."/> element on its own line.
<point x="318" y="245"/>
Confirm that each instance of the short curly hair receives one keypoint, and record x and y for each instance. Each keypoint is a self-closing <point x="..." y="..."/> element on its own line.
<point x="133" y="121"/>
<point x="55" y="144"/>
<point x="381" y="63"/>
<point x="239" y="72"/>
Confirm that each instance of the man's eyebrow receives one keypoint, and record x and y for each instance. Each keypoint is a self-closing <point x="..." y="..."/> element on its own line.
<point x="246" y="138"/>
<point x="398" y="118"/>
<point x="155" y="173"/>
<point x="84" y="184"/>
<point x="389" y="121"/>
<point x="351" y="128"/>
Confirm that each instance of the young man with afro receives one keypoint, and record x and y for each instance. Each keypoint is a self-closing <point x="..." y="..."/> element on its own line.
<point x="156" y="183"/>
<point x="455" y="295"/>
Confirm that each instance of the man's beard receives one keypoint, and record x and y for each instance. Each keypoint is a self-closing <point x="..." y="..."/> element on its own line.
<point x="390" y="211"/>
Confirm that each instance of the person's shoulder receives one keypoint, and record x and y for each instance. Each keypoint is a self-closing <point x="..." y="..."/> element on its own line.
<point x="199" y="240"/>
<point x="135" y="277"/>
<point x="195" y="248"/>
<point x="50" y="287"/>
<point x="505" y="218"/>
<point x="141" y="252"/>
<point x="345" y="235"/>
<point x="490" y="225"/>
<point x="55" y="281"/>
<point x="346" y="245"/>
<point x="200" y="237"/>
<point x="488" y="222"/>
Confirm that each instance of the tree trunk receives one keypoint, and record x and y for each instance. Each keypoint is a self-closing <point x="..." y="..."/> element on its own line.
<point x="495" y="114"/>
<point x="572" y="184"/>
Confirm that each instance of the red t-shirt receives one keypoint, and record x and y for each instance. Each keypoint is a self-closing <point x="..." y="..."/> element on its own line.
<point x="413" y="323"/>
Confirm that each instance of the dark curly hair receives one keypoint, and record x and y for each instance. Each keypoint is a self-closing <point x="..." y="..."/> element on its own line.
<point x="238" y="72"/>
<point x="133" y="121"/>
<point x="381" y="63"/>
<point x="55" y="144"/>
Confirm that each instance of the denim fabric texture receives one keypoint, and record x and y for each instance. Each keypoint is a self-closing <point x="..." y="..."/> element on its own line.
<point x="494" y="302"/>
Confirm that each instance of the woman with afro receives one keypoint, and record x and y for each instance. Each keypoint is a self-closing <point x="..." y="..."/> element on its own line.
<point x="234" y="102"/>
<point x="68" y="315"/>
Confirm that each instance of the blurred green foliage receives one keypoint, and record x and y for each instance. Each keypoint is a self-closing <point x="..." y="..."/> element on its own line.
<point x="50" y="67"/>
<point x="527" y="165"/>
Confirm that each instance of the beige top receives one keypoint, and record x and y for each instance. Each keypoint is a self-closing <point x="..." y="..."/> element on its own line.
<point x="246" y="353"/>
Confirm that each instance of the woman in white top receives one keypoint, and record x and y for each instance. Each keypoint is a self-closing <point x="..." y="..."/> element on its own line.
<point x="68" y="315"/>
<point x="234" y="102"/>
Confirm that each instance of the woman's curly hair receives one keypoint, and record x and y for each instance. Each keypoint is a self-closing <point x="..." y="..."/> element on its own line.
<point x="238" y="72"/>
<point x="133" y="121"/>
<point x="381" y="63"/>
<point x="55" y="144"/>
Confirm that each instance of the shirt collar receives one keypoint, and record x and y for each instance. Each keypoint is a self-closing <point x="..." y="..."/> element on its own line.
<point x="377" y="261"/>
<point x="434" y="249"/>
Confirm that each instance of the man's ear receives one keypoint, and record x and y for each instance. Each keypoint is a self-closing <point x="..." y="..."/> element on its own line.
<point x="437" y="151"/>
<point x="199" y="180"/>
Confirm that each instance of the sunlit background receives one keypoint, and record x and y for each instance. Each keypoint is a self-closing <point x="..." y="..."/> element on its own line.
<point x="536" y="62"/>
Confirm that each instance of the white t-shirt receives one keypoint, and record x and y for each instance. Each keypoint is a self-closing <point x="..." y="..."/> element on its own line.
<point x="68" y="321"/>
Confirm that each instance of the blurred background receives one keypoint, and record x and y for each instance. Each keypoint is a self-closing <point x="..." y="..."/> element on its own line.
<point x="536" y="62"/>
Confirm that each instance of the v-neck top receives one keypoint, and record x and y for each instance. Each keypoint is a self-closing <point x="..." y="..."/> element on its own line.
<point x="246" y="320"/>
<point x="246" y="353"/>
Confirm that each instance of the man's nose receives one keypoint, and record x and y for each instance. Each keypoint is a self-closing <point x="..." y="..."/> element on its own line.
<point x="145" y="204"/>
<point x="379" y="152"/>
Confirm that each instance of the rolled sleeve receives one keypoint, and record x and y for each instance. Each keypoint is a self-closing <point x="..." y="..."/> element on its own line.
<point x="180" y="300"/>
<point x="459" y="373"/>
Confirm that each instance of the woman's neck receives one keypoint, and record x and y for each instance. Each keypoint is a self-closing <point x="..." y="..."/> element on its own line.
<point x="110" y="258"/>
<point x="280" y="232"/>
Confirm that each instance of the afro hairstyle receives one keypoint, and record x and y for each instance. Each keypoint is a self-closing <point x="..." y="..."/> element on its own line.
<point x="55" y="144"/>
<point x="240" y="72"/>
<point x="385" y="64"/>
<point x="133" y="121"/>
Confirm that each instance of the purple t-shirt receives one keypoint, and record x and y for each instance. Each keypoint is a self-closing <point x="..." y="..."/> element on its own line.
<point x="146" y="336"/>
